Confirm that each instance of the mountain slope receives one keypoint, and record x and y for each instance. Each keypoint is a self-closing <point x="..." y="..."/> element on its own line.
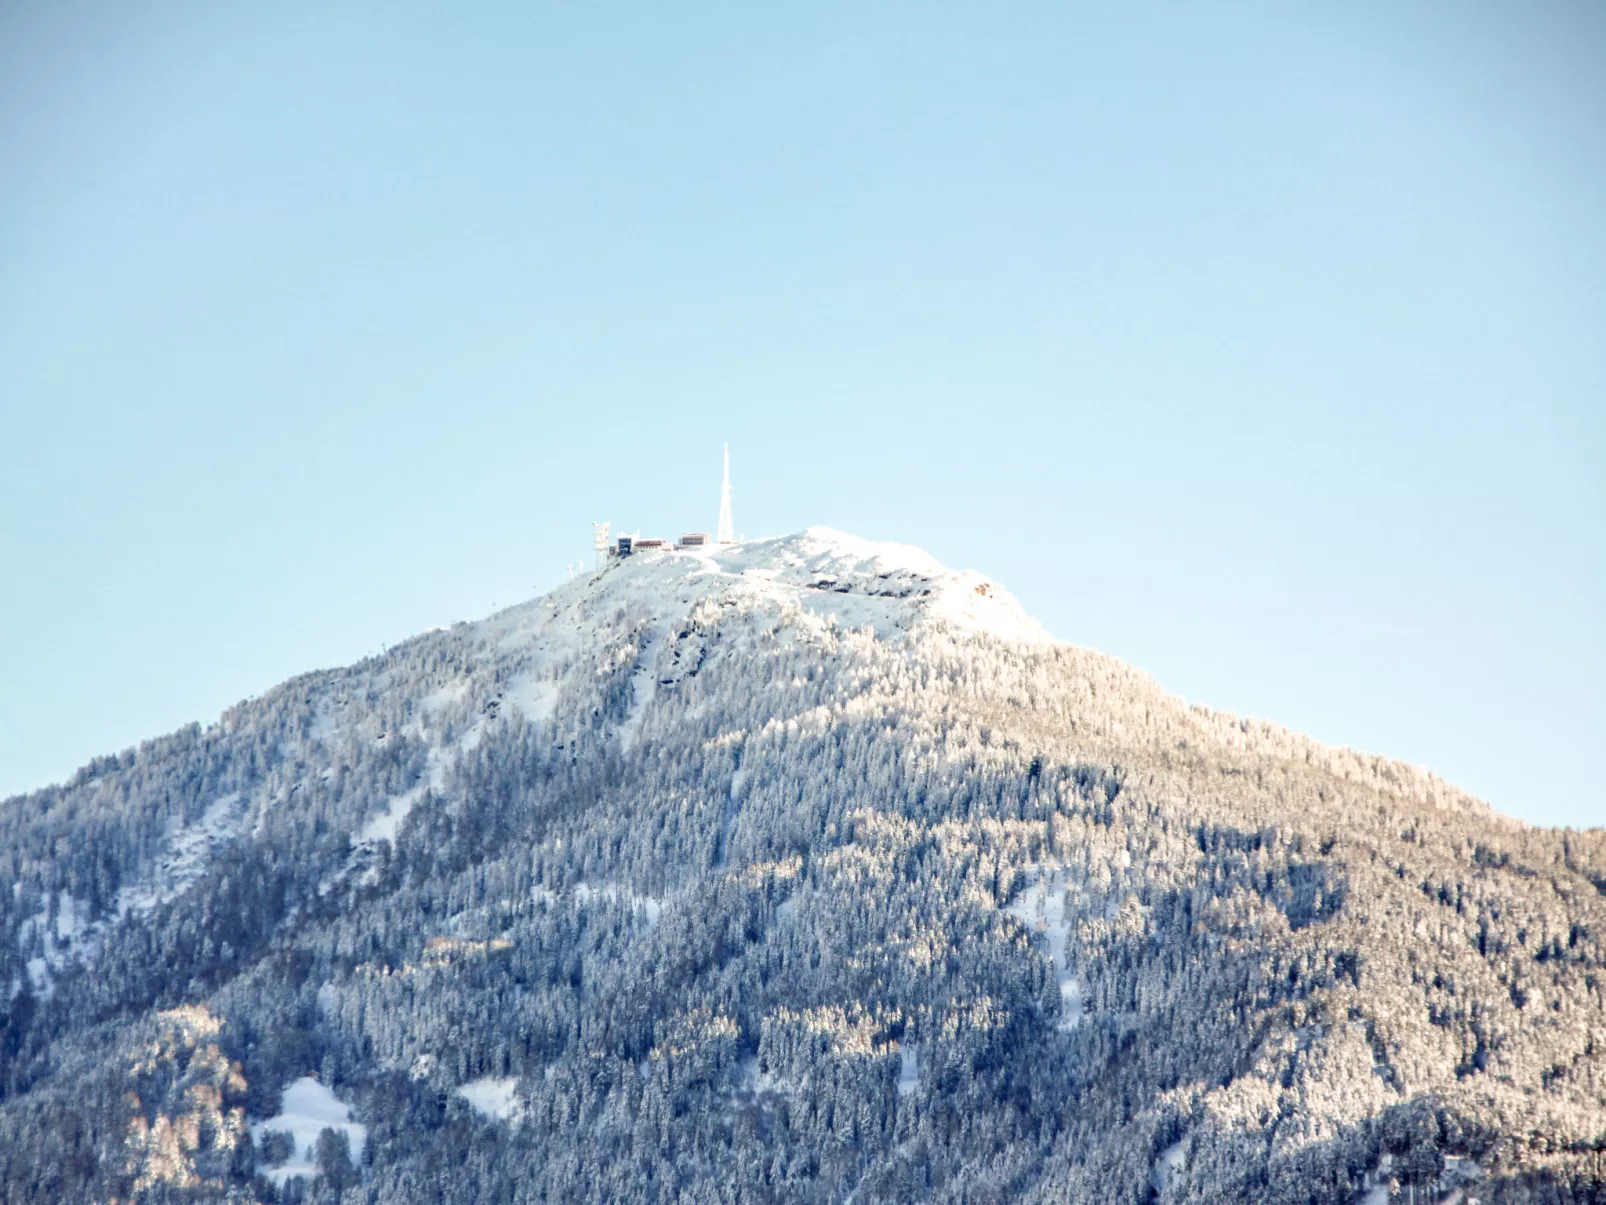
<point x="799" y="870"/>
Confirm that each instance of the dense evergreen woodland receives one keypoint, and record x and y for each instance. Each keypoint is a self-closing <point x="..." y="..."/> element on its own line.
<point x="800" y="871"/>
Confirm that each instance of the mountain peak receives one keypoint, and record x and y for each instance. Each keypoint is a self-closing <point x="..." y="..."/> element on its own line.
<point x="857" y="582"/>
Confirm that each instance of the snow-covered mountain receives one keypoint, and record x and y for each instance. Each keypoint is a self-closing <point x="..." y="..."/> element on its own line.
<point x="802" y="869"/>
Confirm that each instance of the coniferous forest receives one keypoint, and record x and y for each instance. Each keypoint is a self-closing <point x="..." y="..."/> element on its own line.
<point x="803" y="871"/>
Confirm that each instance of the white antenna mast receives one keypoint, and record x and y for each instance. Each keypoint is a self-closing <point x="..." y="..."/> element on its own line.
<point x="599" y="542"/>
<point x="727" y="529"/>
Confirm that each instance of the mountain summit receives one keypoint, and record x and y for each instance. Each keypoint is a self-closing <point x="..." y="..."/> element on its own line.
<point x="794" y="870"/>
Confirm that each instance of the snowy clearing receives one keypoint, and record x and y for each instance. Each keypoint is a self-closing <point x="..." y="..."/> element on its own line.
<point x="69" y="938"/>
<point x="492" y="1097"/>
<point x="908" y="1068"/>
<point x="307" y="1110"/>
<point x="1041" y="908"/>
<point x="1166" y="1166"/>
<point x="649" y="907"/>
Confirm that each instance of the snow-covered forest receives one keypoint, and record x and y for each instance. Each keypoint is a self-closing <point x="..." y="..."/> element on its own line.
<point x="804" y="870"/>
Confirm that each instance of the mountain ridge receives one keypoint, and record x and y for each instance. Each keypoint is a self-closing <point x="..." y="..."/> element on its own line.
<point x="817" y="551"/>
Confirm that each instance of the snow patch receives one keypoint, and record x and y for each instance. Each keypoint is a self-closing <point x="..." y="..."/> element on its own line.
<point x="189" y="851"/>
<point x="69" y="937"/>
<point x="307" y="1110"/>
<point x="908" y="1068"/>
<point x="443" y="697"/>
<point x="536" y="698"/>
<point x="752" y="1080"/>
<point x="643" y="688"/>
<point x="732" y="809"/>
<point x="1168" y="1164"/>
<point x="650" y="907"/>
<point x="385" y="825"/>
<point x="492" y="1097"/>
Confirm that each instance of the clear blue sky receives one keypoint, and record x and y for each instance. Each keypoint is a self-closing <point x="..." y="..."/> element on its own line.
<point x="1262" y="346"/>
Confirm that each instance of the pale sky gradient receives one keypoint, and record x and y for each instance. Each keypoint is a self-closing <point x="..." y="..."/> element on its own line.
<point x="1263" y="346"/>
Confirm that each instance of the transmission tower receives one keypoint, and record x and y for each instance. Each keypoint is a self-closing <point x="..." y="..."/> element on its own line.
<point x="727" y="529"/>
